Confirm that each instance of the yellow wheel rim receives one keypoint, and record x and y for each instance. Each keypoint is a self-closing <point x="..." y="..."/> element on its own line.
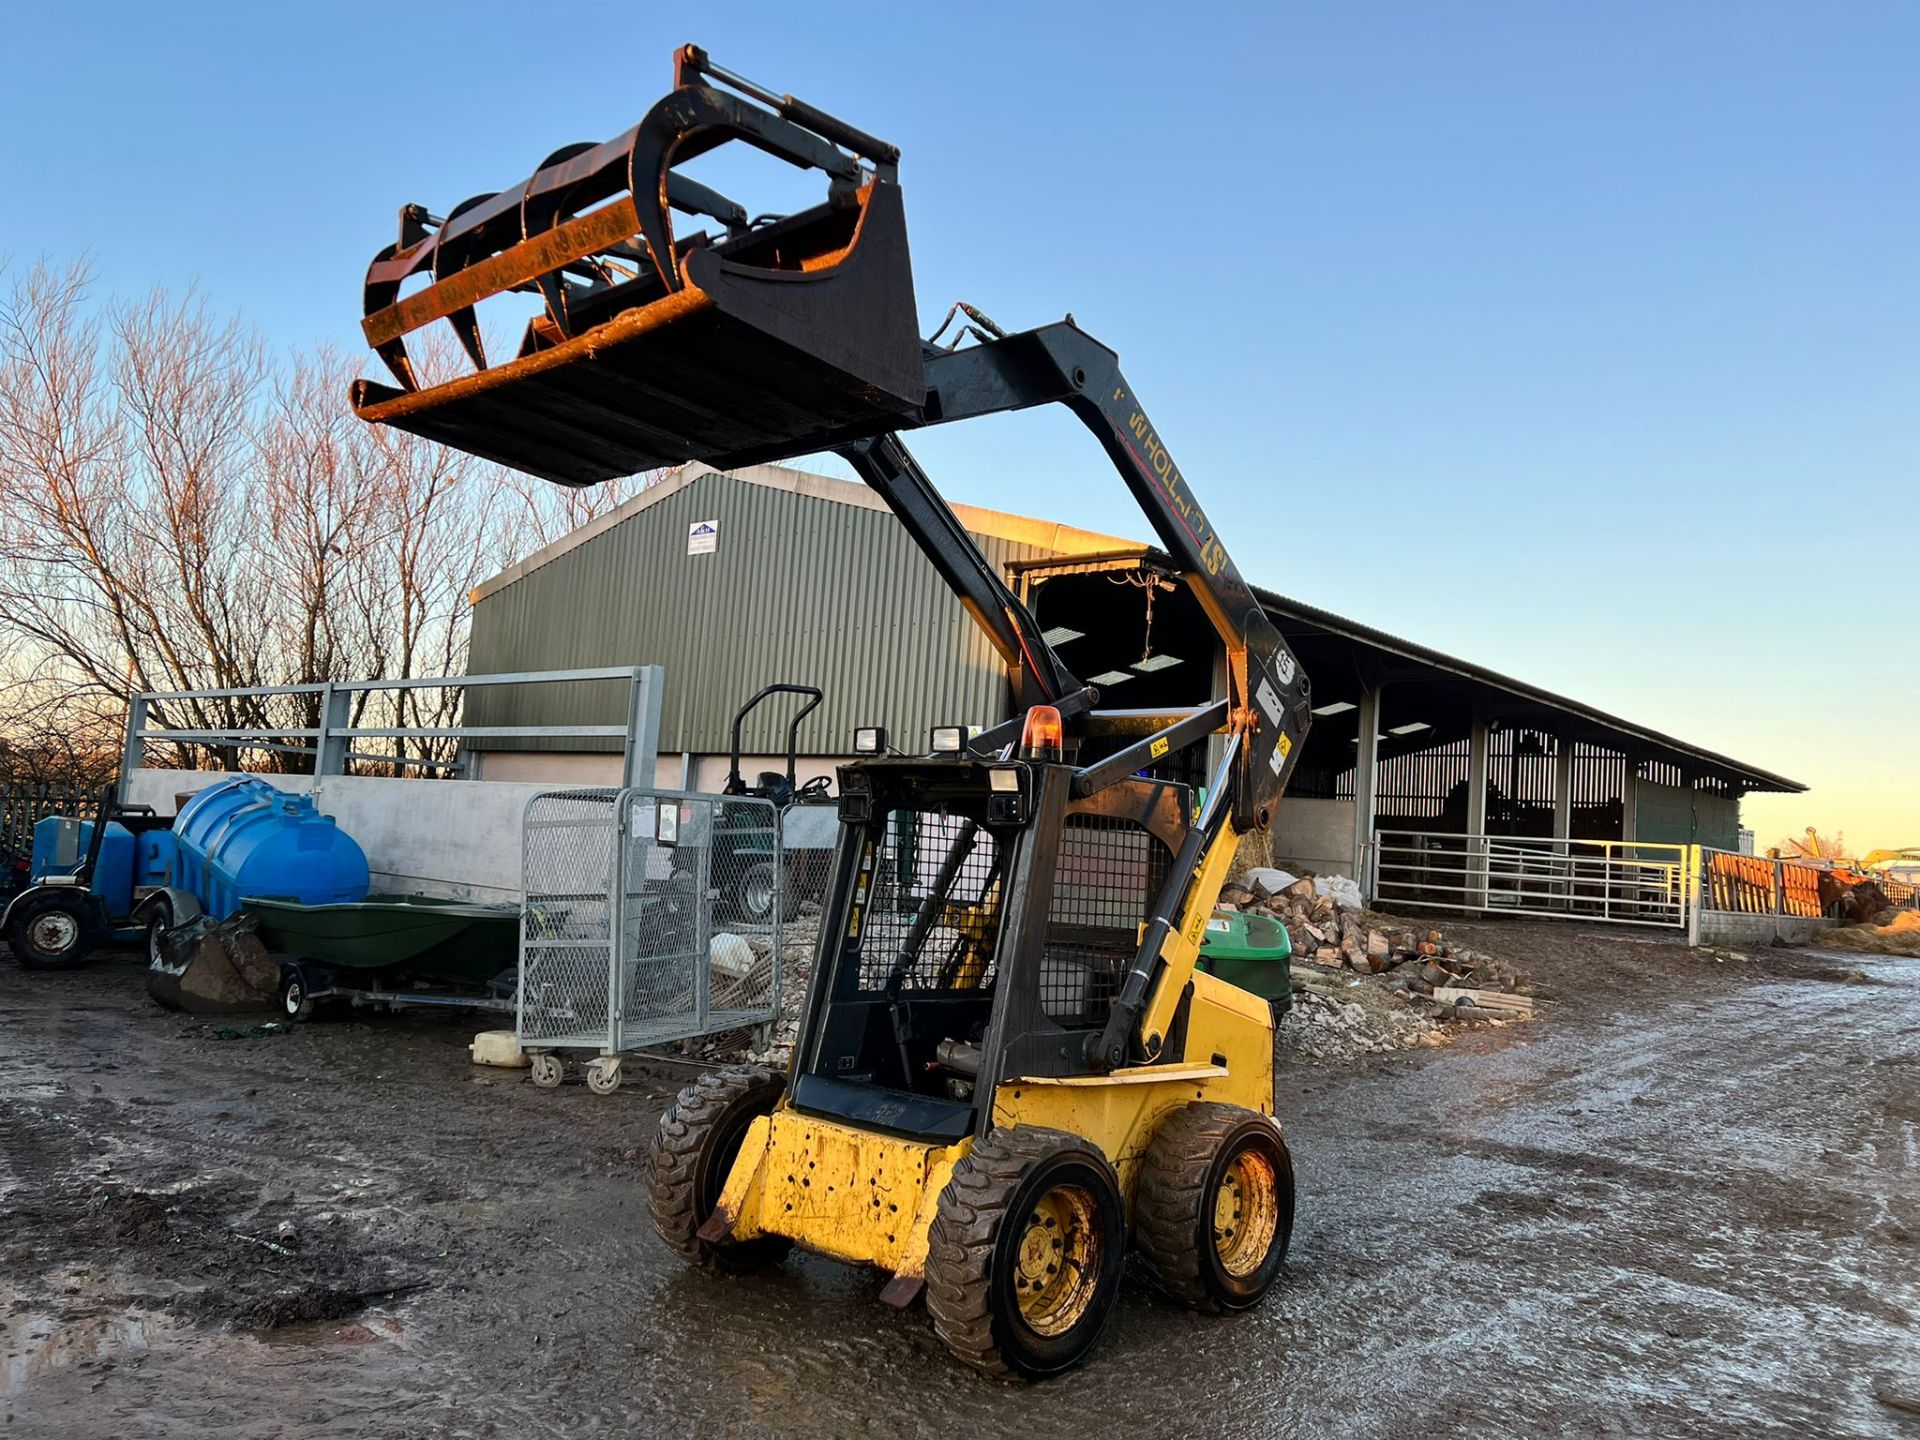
<point x="1246" y="1212"/>
<point x="1057" y="1267"/>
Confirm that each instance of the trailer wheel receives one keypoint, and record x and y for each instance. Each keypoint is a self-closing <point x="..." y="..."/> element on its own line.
<point x="1025" y="1253"/>
<point x="1214" y="1209"/>
<point x="296" y="995"/>
<point x="693" y="1151"/>
<point x="53" y="930"/>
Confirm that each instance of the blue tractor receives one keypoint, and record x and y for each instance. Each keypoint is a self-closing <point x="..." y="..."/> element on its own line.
<point x="129" y="873"/>
<point x="89" y="883"/>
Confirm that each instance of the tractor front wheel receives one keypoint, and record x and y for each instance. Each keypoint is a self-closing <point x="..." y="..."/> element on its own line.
<point x="758" y="890"/>
<point x="1025" y="1252"/>
<point x="1214" y="1209"/>
<point x="53" y="930"/>
<point x="693" y="1152"/>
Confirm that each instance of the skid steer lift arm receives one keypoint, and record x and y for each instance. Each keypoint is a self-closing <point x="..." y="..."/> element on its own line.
<point x="1267" y="710"/>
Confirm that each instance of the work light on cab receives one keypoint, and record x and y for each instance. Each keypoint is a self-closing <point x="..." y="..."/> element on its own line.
<point x="949" y="739"/>
<point x="1007" y="796"/>
<point x="1044" y="737"/>
<point x="869" y="740"/>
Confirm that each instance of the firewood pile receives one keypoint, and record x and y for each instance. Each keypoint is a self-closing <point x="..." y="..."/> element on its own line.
<point x="1410" y="960"/>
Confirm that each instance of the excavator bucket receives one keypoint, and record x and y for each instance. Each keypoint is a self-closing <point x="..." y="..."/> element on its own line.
<point x="766" y="337"/>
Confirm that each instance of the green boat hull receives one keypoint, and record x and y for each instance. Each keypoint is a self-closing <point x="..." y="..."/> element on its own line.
<point x="449" y="941"/>
<point x="1252" y="952"/>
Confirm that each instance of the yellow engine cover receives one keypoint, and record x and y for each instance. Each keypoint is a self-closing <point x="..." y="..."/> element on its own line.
<point x="1229" y="1058"/>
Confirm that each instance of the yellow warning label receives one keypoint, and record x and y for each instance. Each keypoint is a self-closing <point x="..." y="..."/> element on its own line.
<point x="1158" y="748"/>
<point x="1285" y="746"/>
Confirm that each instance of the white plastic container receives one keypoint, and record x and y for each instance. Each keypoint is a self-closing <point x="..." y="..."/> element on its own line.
<point x="498" y="1047"/>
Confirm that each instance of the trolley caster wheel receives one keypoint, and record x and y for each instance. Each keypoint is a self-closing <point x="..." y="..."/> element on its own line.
<point x="549" y="1071"/>
<point x="603" y="1076"/>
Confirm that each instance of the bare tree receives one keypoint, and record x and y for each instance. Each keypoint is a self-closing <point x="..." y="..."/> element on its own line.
<point x="181" y="511"/>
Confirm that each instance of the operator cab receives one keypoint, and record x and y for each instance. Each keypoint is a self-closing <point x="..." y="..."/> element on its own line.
<point x="938" y="858"/>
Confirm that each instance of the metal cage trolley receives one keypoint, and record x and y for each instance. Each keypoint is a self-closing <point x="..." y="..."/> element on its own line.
<point x="647" y="920"/>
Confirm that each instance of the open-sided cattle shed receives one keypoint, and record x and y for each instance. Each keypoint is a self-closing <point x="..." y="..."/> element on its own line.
<point x="731" y="581"/>
<point x="1455" y="747"/>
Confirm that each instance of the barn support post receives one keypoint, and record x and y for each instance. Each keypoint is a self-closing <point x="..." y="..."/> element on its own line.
<point x="1479" y="750"/>
<point x="1563" y="812"/>
<point x="1562" y="789"/>
<point x="1630" y="801"/>
<point x="1366" y="785"/>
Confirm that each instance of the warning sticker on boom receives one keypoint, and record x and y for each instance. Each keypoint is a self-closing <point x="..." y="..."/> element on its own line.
<point x="1282" y="748"/>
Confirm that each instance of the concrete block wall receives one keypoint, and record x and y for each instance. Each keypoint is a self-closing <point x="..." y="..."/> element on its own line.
<point x="1724" y="927"/>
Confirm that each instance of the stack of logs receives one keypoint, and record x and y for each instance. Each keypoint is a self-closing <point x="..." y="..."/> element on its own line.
<point x="1417" y="962"/>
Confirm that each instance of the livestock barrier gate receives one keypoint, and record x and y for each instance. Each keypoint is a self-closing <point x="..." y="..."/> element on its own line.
<point x="1700" y="891"/>
<point x="650" y="917"/>
<point x="1615" y="881"/>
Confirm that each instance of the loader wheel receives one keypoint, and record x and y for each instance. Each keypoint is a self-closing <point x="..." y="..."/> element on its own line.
<point x="697" y="1143"/>
<point x="1214" y="1209"/>
<point x="1025" y="1252"/>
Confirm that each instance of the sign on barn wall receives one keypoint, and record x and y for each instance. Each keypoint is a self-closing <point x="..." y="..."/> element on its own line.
<point x="703" y="537"/>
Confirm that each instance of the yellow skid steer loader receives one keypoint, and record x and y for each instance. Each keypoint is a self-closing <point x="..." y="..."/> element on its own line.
<point x="1010" y="1071"/>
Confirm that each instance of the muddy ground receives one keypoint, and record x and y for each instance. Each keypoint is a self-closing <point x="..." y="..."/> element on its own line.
<point x="1684" y="1202"/>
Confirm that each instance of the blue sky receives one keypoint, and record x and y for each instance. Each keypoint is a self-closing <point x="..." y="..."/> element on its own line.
<point x="1579" y="340"/>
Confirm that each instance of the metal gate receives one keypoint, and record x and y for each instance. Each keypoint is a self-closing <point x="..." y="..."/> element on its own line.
<point x="651" y="916"/>
<point x="1614" y="881"/>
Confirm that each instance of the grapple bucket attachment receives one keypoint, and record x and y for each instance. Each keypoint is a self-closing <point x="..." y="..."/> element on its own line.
<point x="775" y="336"/>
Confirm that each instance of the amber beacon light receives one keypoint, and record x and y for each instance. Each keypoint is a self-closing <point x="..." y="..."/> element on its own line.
<point x="1044" y="736"/>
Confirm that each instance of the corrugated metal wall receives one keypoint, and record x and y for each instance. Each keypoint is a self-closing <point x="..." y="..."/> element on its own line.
<point x="799" y="589"/>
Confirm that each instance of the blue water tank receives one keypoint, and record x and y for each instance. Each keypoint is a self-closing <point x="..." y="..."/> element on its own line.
<point x="241" y="839"/>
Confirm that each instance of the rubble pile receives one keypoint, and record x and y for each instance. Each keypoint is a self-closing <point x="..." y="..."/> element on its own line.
<point x="1325" y="1026"/>
<point x="752" y="980"/>
<point x="1342" y="936"/>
